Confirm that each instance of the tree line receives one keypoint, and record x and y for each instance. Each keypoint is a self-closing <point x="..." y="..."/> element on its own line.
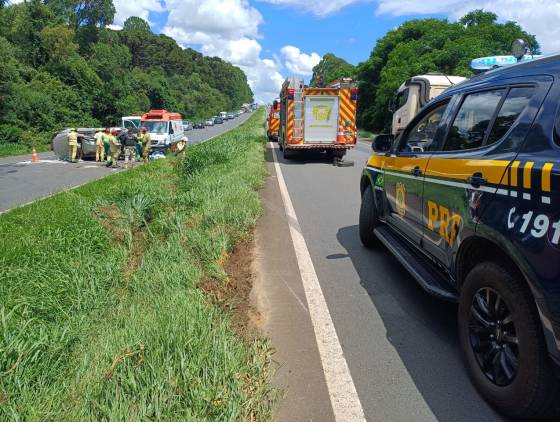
<point x="61" y="66"/>
<point x="417" y="47"/>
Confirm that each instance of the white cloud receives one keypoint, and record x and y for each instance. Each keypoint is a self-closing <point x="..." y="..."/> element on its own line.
<point x="227" y="29"/>
<point x="299" y="63"/>
<point x="538" y="17"/>
<point x="228" y="19"/>
<point x="140" y="8"/>
<point x="317" y="7"/>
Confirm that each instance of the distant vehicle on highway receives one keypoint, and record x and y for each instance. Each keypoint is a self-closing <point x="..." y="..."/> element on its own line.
<point x="199" y="124"/>
<point x="230" y="116"/>
<point x="209" y="122"/>
<point x="218" y="120"/>
<point x="187" y="125"/>
<point x="223" y="114"/>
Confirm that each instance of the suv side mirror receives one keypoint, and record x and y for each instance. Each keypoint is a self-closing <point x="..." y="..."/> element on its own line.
<point x="382" y="143"/>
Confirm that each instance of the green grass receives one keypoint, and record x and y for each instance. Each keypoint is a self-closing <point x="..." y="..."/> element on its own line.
<point x="366" y="135"/>
<point x="100" y="317"/>
<point x="9" y="149"/>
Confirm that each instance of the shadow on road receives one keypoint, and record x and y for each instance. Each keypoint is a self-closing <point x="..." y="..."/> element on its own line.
<point x="301" y="157"/>
<point x="421" y="328"/>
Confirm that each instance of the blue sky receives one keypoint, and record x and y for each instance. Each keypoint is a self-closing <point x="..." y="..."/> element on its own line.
<point x="272" y="39"/>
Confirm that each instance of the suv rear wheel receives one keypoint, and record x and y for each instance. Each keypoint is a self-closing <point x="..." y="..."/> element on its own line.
<point x="368" y="219"/>
<point x="503" y="344"/>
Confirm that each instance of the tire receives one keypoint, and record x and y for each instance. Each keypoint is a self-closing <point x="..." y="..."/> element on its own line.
<point x="280" y="146"/>
<point x="368" y="220"/>
<point x="532" y="390"/>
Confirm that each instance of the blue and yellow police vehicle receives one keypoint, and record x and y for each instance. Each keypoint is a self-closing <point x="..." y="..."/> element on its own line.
<point x="467" y="198"/>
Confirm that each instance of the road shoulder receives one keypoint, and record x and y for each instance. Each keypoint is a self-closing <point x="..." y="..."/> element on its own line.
<point x="281" y="300"/>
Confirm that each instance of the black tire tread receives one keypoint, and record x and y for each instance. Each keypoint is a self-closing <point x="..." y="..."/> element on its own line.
<point x="368" y="219"/>
<point x="541" y="397"/>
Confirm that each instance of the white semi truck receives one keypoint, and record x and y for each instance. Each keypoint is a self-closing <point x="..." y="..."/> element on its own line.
<point x="415" y="93"/>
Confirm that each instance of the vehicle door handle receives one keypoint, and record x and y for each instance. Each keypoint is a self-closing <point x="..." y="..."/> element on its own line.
<point x="477" y="180"/>
<point x="416" y="171"/>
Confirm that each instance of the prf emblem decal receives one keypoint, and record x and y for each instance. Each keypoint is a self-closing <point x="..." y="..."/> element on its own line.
<point x="400" y="198"/>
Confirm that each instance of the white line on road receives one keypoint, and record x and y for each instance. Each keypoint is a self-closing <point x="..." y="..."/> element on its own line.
<point x="343" y="395"/>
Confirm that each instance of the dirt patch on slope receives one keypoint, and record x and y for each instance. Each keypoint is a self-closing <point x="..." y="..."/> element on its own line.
<point x="234" y="294"/>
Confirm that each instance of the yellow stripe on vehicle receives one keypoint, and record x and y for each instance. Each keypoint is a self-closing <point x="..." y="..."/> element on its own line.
<point x="545" y="181"/>
<point x="513" y="173"/>
<point x="462" y="169"/>
<point x="527" y="174"/>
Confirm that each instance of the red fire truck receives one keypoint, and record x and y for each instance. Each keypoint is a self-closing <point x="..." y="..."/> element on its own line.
<point x="273" y="122"/>
<point x="322" y="119"/>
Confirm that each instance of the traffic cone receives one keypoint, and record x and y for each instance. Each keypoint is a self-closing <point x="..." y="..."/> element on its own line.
<point x="34" y="155"/>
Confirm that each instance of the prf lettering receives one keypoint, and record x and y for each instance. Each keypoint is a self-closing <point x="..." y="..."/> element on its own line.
<point x="449" y="223"/>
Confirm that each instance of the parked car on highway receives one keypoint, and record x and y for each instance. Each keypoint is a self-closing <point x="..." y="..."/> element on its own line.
<point x="199" y="124"/>
<point x="467" y="198"/>
<point x="230" y="116"/>
<point x="209" y="122"/>
<point x="187" y="125"/>
<point x="218" y="120"/>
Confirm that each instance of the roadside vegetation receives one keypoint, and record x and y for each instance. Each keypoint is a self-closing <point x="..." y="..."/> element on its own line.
<point x="61" y="66"/>
<point x="101" y="315"/>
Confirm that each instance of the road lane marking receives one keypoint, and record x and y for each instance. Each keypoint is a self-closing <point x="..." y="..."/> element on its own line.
<point x="344" y="398"/>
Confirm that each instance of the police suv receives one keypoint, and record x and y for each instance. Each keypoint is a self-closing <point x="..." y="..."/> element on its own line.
<point x="467" y="198"/>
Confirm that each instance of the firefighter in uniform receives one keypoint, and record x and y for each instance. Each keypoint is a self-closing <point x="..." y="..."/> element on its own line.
<point x="99" y="147"/>
<point x="106" y="146"/>
<point x="138" y="145"/>
<point x="115" y="148"/>
<point x="72" y="145"/>
<point x="146" y="144"/>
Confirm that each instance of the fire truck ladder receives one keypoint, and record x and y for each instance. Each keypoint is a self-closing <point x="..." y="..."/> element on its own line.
<point x="298" y="112"/>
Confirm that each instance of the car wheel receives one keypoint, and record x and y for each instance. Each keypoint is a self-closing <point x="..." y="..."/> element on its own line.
<point x="502" y="340"/>
<point x="368" y="220"/>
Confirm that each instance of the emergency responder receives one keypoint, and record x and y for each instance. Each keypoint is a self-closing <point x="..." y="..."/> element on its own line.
<point x="115" y="148"/>
<point x="129" y="148"/>
<point x="146" y="144"/>
<point x="99" y="147"/>
<point x="106" y="146"/>
<point x="72" y="145"/>
<point x="138" y="144"/>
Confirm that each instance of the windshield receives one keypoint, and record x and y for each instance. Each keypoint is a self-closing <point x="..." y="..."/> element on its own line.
<point x="156" y="127"/>
<point x="131" y="123"/>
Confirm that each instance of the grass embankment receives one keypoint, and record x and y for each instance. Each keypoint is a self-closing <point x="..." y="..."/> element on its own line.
<point x="9" y="149"/>
<point x="100" y="314"/>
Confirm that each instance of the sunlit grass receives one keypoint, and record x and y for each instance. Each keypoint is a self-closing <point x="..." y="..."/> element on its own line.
<point x="100" y="317"/>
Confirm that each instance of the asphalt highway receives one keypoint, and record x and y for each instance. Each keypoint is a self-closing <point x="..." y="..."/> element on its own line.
<point x="400" y="343"/>
<point x="22" y="181"/>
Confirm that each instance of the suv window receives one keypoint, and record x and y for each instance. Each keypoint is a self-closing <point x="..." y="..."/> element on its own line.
<point x="472" y="120"/>
<point x="421" y="136"/>
<point x="516" y="101"/>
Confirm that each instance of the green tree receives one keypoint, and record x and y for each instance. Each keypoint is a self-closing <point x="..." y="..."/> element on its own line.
<point x="331" y="68"/>
<point x="428" y="45"/>
<point x="134" y="23"/>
